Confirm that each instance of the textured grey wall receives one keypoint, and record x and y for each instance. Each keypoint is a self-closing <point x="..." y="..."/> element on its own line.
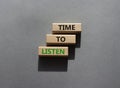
<point x="23" y="26"/>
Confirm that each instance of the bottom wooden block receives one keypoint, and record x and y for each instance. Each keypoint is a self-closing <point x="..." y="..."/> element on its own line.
<point x="52" y="51"/>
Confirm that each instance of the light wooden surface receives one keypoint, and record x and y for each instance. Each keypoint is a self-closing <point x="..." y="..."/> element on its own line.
<point x="66" y="27"/>
<point x="60" y="39"/>
<point x="52" y="51"/>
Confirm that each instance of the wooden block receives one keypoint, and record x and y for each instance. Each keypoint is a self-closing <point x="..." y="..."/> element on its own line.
<point x="53" y="51"/>
<point x="60" y="39"/>
<point x="66" y="28"/>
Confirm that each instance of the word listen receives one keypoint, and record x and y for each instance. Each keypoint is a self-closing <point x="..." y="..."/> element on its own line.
<point x="66" y="28"/>
<point x="53" y="51"/>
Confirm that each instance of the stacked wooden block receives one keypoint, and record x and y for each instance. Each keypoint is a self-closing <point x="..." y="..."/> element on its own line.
<point x="63" y="34"/>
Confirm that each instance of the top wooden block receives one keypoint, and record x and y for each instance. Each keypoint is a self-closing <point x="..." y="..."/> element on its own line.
<point x="66" y="27"/>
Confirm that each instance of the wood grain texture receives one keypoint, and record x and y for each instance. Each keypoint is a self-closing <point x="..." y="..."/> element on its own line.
<point x="52" y="51"/>
<point x="66" y="28"/>
<point x="60" y="39"/>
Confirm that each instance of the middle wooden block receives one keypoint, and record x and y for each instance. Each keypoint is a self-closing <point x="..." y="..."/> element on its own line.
<point x="60" y="39"/>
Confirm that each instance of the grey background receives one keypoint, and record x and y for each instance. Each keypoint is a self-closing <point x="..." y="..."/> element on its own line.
<point x="23" y="26"/>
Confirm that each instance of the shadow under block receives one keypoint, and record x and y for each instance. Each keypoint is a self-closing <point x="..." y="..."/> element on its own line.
<point x="60" y="39"/>
<point x="66" y="27"/>
<point x="52" y="51"/>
